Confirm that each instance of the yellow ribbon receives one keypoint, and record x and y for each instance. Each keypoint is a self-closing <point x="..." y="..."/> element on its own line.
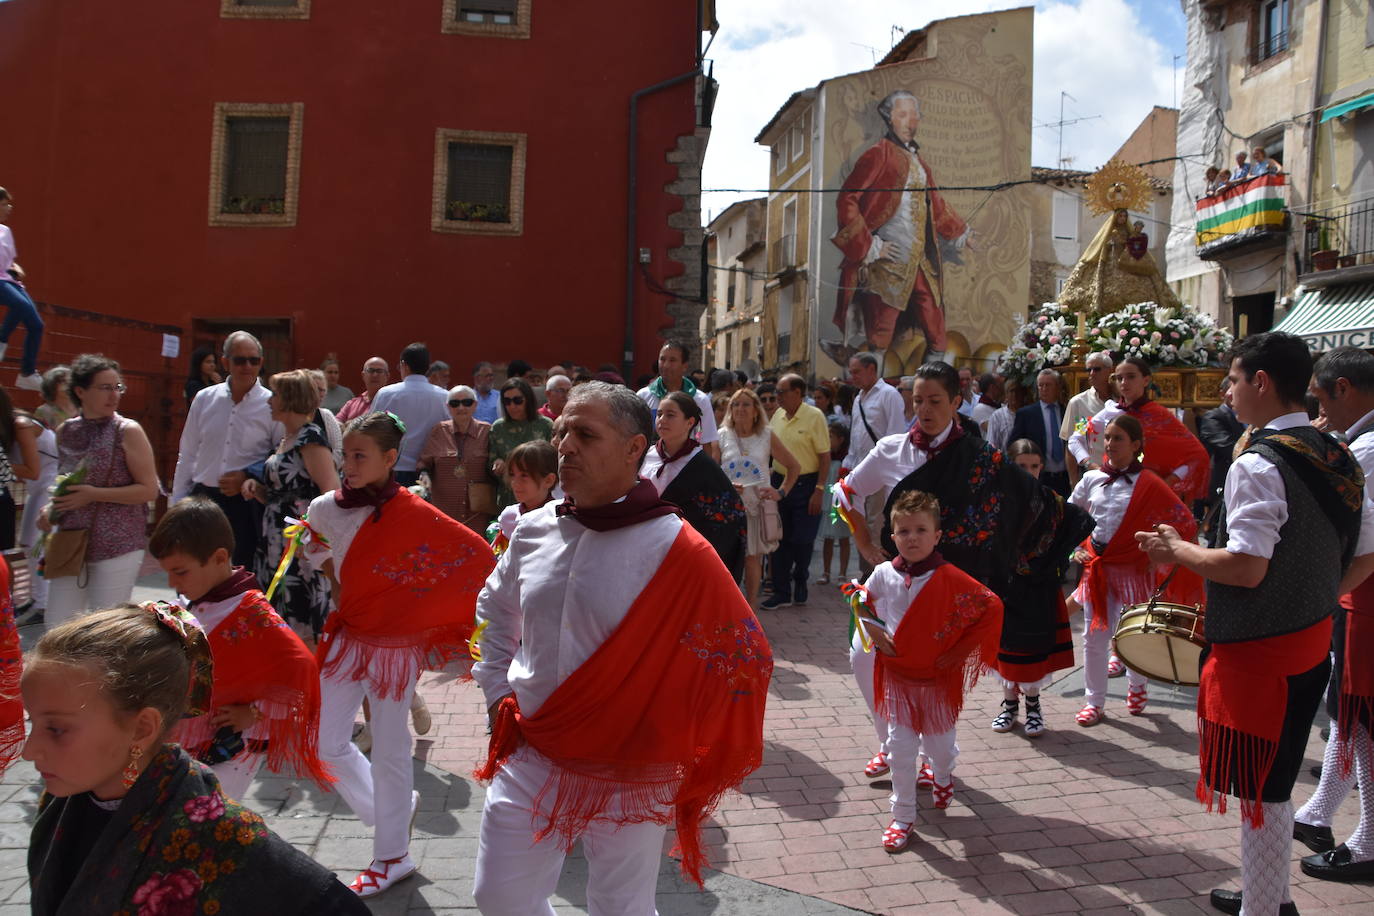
<point x="474" y="646"/>
<point x="295" y="532"/>
<point x="858" y="597"/>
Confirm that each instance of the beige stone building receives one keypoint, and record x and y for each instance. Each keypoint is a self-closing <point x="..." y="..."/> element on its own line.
<point x="736" y="258"/>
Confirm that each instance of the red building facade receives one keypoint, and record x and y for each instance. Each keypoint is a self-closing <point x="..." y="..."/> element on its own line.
<point x="348" y="176"/>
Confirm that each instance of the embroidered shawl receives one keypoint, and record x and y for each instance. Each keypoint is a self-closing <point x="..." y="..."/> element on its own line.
<point x="11" y="667"/>
<point x="711" y="505"/>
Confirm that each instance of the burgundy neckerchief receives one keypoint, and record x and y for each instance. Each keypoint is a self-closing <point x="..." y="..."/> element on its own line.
<point x="984" y="399"/>
<point x="1132" y="408"/>
<point x="1113" y="475"/>
<point x="349" y="498"/>
<point x="927" y="443"/>
<point x="669" y="459"/>
<point x="239" y="581"/>
<point x="919" y="568"/>
<point x="640" y="504"/>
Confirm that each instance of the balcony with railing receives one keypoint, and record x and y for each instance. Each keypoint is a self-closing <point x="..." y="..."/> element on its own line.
<point x="1338" y="237"/>
<point x="783" y="257"/>
<point x="1242" y="216"/>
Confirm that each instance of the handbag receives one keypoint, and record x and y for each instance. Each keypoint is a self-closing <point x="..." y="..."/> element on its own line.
<point x="482" y="498"/>
<point x="65" y="553"/>
<point x="770" y="522"/>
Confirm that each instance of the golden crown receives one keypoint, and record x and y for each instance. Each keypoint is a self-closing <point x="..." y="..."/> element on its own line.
<point x="1118" y="186"/>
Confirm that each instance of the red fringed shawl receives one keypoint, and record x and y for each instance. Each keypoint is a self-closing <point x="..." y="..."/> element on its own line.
<point x="1356" y="703"/>
<point x="408" y="594"/>
<point x="922" y="686"/>
<point x="11" y="667"/>
<point x="260" y="660"/>
<point x="1169" y="445"/>
<point x="1240" y="708"/>
<point x="1124" y="567"/>
<point x="663" y="718"/>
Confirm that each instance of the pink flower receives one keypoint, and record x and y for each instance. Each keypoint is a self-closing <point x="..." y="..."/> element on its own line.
<point x="1137" y="316"/>
<point x="169" y="895"/>
<point x="1175" y="335"/>
<point x="204" y="808"/>
<point x="1121" y="333"/>
<point x="1135" y="341"/>
<point x="1096" y="332"/>
<point x="1054" y="338"/>
<point x="1041" y="320"/>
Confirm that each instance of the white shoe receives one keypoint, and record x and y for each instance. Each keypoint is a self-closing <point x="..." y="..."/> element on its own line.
<point x="364" y="738"/>
<point x="382" y="874"/>
<point x="419" y="715"/>
<point x="32" y="382"/>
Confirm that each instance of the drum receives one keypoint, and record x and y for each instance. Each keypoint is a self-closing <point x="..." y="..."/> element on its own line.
<point x="1162" y="641"/>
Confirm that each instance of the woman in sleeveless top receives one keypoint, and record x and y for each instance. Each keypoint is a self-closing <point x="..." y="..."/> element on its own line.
<point x="747" y="449"/>
<point x="112" y="500"/>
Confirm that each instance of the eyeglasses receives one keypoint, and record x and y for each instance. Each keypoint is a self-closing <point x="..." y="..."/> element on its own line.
<point x="245" y="360"/>
<point x="117" y="388"/>
<point x="461" y="402"/>
<point x="517" y="400"/>
<point x="559" y="390"/>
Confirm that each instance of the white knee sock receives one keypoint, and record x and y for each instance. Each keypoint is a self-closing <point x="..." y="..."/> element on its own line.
<point x="1331" y="790"/>
<point x="1264" y="860"/>
<point x="1361" y="842"/>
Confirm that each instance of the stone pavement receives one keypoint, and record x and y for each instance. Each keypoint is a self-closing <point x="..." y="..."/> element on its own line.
<point x="1099" y="820"/>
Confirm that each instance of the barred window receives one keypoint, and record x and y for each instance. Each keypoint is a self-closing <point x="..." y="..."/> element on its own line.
<point x="255" y="164"/>
<point x="498" y="12"/>
<point x="264" y="9"/>
<point x="487" y="18"/>
<point x="479" y="182"/>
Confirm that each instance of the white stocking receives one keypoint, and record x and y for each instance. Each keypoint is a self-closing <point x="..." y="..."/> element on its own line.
<point x="1264" y="860"/>
<point x="1331" y="790"/>
<point x="1361" y="842"/>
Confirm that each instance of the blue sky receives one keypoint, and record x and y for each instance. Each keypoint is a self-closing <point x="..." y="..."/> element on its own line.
<point x="1114" y="57"/>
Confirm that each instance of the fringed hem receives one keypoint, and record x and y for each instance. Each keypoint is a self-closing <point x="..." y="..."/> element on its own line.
<point x="291" y="725"/>
<point x="11" y="743"/>
<point x="1126" y="589"/>
<point x="1233" y="762"/>
<point x="1353" y="711"/>
<point x="391" y="663"/>
<point x="926" y="706"/>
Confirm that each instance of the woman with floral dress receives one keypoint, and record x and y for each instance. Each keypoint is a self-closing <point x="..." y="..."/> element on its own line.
<point x="300" y="469"/>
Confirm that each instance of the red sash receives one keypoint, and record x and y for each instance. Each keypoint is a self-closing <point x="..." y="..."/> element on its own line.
<point x="1241" y="703"/>
<point x="665" y="716"/>
<point x="259" y="659"/>
<point x="408" y="593"/>
<point x="11" y="667"/>
<point x="1356" y="702"/>
<point x="1169" y="445"/>
<point x="1122" y="563"/>
<point x="921" y="686"/>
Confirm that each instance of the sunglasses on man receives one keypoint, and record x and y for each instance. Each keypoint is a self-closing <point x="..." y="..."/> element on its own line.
<point x="461" y="402"/>
<point x="246" y="360"/>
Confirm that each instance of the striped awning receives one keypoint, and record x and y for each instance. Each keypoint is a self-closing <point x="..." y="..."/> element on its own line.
<point x="1333" y="316"/>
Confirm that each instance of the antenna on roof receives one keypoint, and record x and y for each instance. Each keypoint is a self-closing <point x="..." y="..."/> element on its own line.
<point x="898" y="33"/>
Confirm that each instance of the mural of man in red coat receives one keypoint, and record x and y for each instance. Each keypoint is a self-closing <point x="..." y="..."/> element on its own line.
<point x="895" y="243"/>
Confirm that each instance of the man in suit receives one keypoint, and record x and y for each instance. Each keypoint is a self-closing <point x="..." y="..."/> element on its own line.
<point x="1040" y="422"/>
<point x="1219" y="430"/>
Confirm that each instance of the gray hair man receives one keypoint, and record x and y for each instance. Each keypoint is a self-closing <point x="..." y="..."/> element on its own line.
<point x="1085" y="405"/>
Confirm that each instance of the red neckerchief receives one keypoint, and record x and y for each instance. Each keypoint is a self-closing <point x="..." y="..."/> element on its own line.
<point x="641" y="504"/>
<point x="239" y="581"/>
<point x="919" y="568"/>
<point x="984" y="399"/>
<point x="349" y="498"/>
<point x="1113" y="475"/>
<point x="1135" y="407"/>
<point x="927" y="443"/>
<point x="669" y="459"/>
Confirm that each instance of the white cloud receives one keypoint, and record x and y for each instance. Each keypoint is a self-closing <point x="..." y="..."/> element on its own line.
<point x="1098" y="51"/>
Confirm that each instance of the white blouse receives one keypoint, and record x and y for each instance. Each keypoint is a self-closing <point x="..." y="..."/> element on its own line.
<point x="652" y="462"/>
<point x="1105" y="502"/>
<point x="892" y="597"/>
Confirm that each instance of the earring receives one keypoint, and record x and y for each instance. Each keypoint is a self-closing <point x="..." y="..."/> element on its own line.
<point x="131" y="771"/>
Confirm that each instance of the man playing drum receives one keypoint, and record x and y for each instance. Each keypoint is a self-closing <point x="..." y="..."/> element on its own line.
<point x="1293" y="518"/>
<point x="1343" y="383"/>
<point x="1123" y="498"/>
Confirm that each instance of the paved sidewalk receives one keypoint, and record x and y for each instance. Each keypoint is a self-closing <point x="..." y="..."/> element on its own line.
<point x="1099" y="820"/>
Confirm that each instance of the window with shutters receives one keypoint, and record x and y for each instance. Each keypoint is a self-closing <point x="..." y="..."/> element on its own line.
<point x="494" y="18"/>
<point x="264" y="9"/>
<point x="479" y="182"/>
<point x="1065" y="225"/>
<point x="255" y="164"/>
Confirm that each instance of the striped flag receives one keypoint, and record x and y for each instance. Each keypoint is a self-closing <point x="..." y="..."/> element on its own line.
<point x="1251" y="208"/>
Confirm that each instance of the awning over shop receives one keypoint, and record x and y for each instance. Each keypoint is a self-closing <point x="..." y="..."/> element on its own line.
<point x="1355" y="104"/>
<point x="1333" y="316"/>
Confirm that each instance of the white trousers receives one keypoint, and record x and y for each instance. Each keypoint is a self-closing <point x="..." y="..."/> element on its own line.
<point x="516" y="876"/>
<point x="108" y="583"/>
<point x="1097" y="650"/>
<point x="379" y="791"/>
<point x="862" y="663"/>
<point x="235" y="776"/>
<point x="904" y="748"/>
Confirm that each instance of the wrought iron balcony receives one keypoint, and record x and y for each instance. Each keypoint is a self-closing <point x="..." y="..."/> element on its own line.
<point x="1337" y="237"/>
<point x="783" y="257"/>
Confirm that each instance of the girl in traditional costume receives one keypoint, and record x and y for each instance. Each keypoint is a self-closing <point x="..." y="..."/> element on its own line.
<point x="11" y="666"/>
<point x="129" y="823"/>
<point x="935" y="629"/>
<point x="1123" y="497"/>
<point x="532" y="469"/>
<point x="408" y="580"/>
<point x="684" y="475"/>
<point x="265" y="707"/>
<point x="1174" y="454"/>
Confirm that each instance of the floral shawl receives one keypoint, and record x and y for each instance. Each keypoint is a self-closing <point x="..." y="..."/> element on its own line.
<point x="177" y="847"/>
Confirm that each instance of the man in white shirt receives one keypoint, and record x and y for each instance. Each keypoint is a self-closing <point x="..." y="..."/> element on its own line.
<point x="592" y="629"/>
<point x="672" y="376"/>
<point x="878" y="411"/>
<point x="990" y="388"/>
<point x="1085" y="405"/>
<point x="968" y="394"/>
<point x="1294" y="520"/>
<point x="229" y="429"/>
<point x="420" y="405"/>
